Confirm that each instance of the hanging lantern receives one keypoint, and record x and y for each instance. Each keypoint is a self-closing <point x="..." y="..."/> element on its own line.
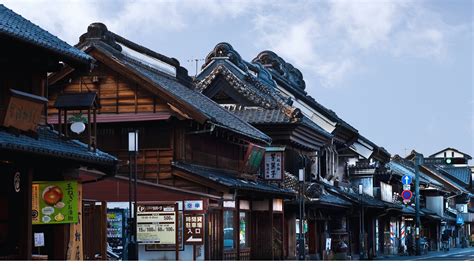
<point x="78" y="123"/>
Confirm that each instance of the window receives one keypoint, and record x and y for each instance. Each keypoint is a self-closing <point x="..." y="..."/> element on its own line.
<point x="452" y="154"/>
<point x="229" y="229"/>
<point x="244" y="234"/>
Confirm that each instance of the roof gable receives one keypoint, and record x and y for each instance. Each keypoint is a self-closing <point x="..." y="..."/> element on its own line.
<point x="448" y="153"/>
<point x="102" y="45"/>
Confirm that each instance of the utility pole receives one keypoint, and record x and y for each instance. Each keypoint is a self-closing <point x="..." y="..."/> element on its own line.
<point x="418" y="162"/>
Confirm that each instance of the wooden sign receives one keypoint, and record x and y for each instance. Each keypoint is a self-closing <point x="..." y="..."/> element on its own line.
<point x="193" y="229"/>
<point x="274" y="163"/>
<point x="23" y="111"/>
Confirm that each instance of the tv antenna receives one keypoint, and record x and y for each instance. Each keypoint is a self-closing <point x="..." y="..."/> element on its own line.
<point x="196" y="60"/>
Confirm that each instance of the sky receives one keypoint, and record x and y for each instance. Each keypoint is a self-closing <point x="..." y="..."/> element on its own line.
<point x="401" y="72"/>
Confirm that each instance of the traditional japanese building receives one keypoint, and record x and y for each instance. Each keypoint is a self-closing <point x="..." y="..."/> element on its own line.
<point x="40" y="190"/>
<point x="190" y="149"/>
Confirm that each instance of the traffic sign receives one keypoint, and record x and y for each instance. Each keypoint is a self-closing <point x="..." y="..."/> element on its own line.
<point x="406" y="194"/>
<point x="406" y="187"/>
<point x="459" y="220"/>
<point x="406" y="180"/>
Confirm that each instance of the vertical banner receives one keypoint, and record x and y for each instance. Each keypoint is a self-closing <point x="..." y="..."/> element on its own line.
<point x="253" y="158"/>
<point x="75" y="249"/>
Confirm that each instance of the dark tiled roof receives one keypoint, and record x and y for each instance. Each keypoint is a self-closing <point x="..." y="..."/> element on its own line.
<point x="75" y="100"/>
<point x="230" y="179"/>
<point x="462" y="174"/>
<point x="438" y="171"/>
<point x="15" y="26"/>
<point x="49" y="144"/>
<point x="317" y="194"/>
<point x="366" y="200"/>
<point x="260" y="116"/>
<point x="403" y="167"/>
<point x="274" y="107"/>
<point x="203" y="104"/>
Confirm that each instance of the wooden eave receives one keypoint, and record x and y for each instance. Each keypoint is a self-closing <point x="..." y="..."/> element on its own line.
<point x="199" y="180"/>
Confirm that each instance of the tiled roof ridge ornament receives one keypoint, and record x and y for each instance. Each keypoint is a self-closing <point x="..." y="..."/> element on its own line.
<point x="280" y="67"/>
<point x="224" y="49"/>
<point x="98" y="31"/>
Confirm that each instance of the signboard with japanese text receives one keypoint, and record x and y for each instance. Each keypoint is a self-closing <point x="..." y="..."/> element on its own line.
<point x="23" y="111"/>
<point x="193" y="205"/>
<point x="156" y="223"/>
<point x="194" y="229"/>
<point x="274" y="163"/>
<point x="54" y="202"/>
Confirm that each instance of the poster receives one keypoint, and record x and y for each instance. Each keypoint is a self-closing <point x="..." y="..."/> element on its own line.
<point x="156" y="224"/>
<point x="54" y="202"/>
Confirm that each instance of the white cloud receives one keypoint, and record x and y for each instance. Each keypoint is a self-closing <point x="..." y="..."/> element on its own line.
<point x="327" y="39"/>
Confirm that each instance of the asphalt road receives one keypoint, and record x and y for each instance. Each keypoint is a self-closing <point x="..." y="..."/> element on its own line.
<point x="463" y="255"/>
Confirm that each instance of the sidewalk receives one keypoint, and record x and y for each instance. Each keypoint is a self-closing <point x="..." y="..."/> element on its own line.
<point x="429" y="255"/>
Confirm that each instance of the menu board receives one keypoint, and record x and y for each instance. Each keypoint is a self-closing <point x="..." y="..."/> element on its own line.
<point x="54" y="202"/>
<point x="156" y="223"/>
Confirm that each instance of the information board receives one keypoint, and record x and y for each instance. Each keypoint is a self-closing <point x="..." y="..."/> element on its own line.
<point x="156" y="223"/>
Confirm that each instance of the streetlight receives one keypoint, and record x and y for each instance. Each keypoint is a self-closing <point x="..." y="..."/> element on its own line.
<point x="361" y="220"/>
<point x="132" y="222"/>
<point x="301" y="239"/>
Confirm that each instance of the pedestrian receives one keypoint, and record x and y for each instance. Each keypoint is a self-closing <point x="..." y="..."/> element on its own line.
<point x="410" y="243"/>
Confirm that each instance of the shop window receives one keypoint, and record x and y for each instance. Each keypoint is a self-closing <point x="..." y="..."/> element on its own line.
<point x="229" y="230"/>
<point x="244" y="234"/>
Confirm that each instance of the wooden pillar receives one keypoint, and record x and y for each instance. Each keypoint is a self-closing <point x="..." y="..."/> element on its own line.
<point x="270" y="212"/>
<point x="27" y="232"/>
<point x="65" y="123"/>
<point x="237" y="226"/>
<point x="95" y="129"/>
<point x="283" y="231"/>
<point x="89" y="131"/>
<point x="60" y="129"/>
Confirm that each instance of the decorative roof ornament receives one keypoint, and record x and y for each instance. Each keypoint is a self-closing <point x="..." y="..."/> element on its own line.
<point x="98" y="31"/>
<point x="281" y="68"/>
<point x="224" y="49"/>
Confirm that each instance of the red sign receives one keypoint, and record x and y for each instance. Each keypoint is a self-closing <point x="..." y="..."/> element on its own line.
<point x="407" y="194"/>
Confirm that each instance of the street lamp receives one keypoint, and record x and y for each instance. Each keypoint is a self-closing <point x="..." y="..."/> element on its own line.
<point x="301" y="239"/>
<point x="361" y="220"/>
<point x="132" y="222"/>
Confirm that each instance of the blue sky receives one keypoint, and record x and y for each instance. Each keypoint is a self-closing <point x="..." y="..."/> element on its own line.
<point x="401" y="72"/>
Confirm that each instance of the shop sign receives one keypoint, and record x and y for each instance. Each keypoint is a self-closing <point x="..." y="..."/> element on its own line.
<point x="194" y="229"/>
<point x="156" y="223"/>
<point x="386" y="192"/>
<point x="274" y="163"/>
<point x="54" y="202"/>
<point x="23" y="111"/>
<point x="253" y="158"/>
<point x="193" y="205"/>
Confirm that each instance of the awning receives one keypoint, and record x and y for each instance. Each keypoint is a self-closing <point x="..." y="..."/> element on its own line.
<point x="126" y="117"/>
